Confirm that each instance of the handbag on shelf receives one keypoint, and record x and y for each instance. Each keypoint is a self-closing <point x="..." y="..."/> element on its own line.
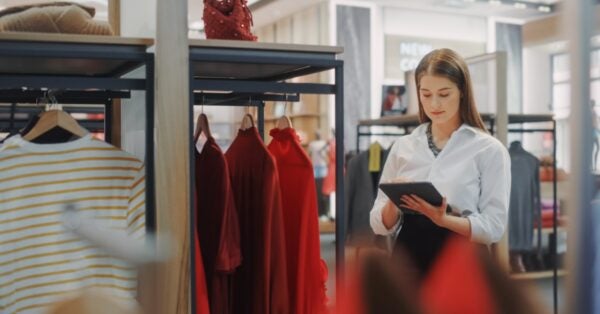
<point x="228" y="19"/>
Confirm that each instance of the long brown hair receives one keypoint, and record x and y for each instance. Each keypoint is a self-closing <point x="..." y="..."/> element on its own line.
<point x="447" y="63"/>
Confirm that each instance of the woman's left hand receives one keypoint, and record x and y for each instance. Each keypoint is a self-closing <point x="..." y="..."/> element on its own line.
<point x="435" y="213"/>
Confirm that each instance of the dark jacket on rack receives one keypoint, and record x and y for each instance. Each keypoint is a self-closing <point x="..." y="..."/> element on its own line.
<point x="361" y="190"/>
<point x="217" y="225"/>
<point x="524" y="198"/>
<point x="261" y="281"/>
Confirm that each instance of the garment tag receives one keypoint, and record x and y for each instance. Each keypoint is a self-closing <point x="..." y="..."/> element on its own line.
<point x="201" y="141"/>
<point x="375" y="157"/>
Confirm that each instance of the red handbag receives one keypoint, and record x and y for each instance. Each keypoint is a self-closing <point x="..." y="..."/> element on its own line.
<point x="227" y="19"/>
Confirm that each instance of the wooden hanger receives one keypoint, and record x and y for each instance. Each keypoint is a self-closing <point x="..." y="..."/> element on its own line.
<point x="247" y="122"/>
<point x="202" y="126"/>
<point x="284" y="122"/>
<point x="55" y="119"/>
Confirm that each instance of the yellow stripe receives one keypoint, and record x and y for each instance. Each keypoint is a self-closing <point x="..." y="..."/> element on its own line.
<point x="131" y="211"/>
<point x="39" y="245"/>
<point x="33" y="185"/>
<point x="40" y="235"/>
<point x="33" y="306"/>
<point x="138" y="182"/>
<point x="17" y="260"/>
<point x="93" y="188"/>
<point x="136" y="195"/>
<point x="88" y="257"/>
<point x="69" y="271"/>
<point x="66" y="161"/>
<point x="89" y="149"/>
<point x="95" y="198"/>
<point x="45" y="224"/>
<point x="43" y="173"/>
<point x="60" y="282"/>
<point x="39" y="295"/>
<point x="10" y="147"/>
<point x="138" y="228"/>
<point x="104" y="208"/>
<point x="135" y="219"/>
<point x="31" y="216"/>
<point x="111" y="217"/>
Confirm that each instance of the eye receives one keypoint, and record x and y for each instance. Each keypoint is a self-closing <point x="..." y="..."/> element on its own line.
<point x="426" y="95"/>
<point x="444" y="95"/>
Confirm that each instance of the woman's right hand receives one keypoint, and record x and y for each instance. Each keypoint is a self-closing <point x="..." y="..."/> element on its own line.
<point x="391" y="213"/>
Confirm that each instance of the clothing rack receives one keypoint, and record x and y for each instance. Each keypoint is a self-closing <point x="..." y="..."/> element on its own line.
<point x="408" y="122"/>
<point x="21" y="108"/>
<point x="87" y="70"/>
<point x="252" y="73"/>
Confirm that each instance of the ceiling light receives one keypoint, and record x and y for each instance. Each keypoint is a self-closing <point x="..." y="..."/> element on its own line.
<point x="544" y="8"/>
<point x="495" y="2"/>
<point x="519" y="5"/>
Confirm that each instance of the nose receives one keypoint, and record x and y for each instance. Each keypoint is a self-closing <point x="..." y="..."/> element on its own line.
<point x="436" y="102"/>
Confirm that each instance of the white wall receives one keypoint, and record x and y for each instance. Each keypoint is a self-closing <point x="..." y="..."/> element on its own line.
<point x="424" y="24"/>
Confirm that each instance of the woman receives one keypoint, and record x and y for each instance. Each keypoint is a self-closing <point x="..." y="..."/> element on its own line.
<point x="452" y="149"/>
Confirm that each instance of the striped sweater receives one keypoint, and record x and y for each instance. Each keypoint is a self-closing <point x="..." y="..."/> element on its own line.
<point x="40" y="261"/>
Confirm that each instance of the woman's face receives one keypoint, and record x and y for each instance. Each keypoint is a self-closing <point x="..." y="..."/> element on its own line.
<point x="440" y="98"/>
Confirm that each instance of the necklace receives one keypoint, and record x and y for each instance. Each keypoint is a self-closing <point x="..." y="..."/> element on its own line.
<point x="436" y="151"/>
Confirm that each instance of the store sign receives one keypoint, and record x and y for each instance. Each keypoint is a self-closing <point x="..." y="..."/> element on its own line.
<point x="411" y="53"/>
<point x="402" y="53"/>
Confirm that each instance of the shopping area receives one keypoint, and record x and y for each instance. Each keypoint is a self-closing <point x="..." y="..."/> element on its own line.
<point x="164" y="172"/>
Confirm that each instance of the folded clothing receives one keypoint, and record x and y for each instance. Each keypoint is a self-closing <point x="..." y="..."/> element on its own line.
<point x="61" y="17"/>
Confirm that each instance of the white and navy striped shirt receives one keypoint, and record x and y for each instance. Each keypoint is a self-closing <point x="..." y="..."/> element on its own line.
<point x="40" y="261"/>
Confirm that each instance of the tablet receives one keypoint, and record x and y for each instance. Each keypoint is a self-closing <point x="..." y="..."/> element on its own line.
<point x="424" y="190"/>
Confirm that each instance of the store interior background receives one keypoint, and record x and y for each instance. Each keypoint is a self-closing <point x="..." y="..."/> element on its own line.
<point x="383" y="39"/>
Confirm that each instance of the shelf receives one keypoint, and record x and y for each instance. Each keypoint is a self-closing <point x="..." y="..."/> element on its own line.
<point x="326" y="226"/>
<point x="538" y="275"/>
<point x="551" y="230"/>
<point x="302" y="115"/>
<point x="70" y="55"/>
<point x="220" y="59"/>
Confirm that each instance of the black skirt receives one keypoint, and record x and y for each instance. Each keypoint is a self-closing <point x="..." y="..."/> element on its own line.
<point x="422" y="240"/>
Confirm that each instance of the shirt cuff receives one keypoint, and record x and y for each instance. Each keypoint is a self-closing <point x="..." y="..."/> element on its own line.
<point x="396" y="226"/>
<point x="478" y="233"/>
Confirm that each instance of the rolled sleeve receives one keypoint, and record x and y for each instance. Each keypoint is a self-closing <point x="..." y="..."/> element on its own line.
<point x="489" y="223"/>
<point x="390" y="171"/>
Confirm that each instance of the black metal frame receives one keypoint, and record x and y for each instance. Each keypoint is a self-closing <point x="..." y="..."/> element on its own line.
<point x="83" y="87"/>
<point x="255" y="91"/>
<point x="512" y="119"/>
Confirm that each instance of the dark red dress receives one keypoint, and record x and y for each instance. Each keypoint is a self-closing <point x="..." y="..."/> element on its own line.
<point x="306" y="276"/>
<point x="217" y="224"/>
<point x="261" y="281"/>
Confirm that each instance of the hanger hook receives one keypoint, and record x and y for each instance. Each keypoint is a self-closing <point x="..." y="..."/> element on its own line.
<point x="202" y="104"/>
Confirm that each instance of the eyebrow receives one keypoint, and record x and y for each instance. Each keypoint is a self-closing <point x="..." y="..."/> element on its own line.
<point x="441" y="89"/>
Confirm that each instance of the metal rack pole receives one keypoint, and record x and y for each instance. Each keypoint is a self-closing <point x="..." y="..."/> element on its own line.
<point x="340" y="232"/>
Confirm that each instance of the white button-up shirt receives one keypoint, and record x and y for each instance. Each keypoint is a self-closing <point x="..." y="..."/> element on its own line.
<point x="472" y="171"/>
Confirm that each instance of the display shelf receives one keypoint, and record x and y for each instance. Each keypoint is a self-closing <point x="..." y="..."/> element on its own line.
<point x="270" y="62"/>
<point x="327" y="226"/>
<point x="550" y="230"/>
<point x="295" y="116"/>
<point x="548" y="274"/>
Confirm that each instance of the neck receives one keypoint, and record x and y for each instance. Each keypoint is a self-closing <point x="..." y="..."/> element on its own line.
<point x="442" y="131"/>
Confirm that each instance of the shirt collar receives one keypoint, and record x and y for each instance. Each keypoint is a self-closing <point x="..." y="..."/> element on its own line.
<point x="421" y="129"/>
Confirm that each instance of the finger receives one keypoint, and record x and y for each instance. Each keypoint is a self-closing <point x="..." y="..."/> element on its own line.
<point x="420" y="201"/>
<point x="444" y="203"/>
<point x="409" y="201"/>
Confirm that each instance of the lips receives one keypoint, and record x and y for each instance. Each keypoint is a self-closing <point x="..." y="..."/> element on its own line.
<point x="437" y="113"/>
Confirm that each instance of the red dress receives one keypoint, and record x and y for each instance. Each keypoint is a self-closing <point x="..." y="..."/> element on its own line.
<point x="261" y="281"/>
<point x="217" y="225"/>
<point x="306" y="276"/>
<point x="201" y="291"/>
